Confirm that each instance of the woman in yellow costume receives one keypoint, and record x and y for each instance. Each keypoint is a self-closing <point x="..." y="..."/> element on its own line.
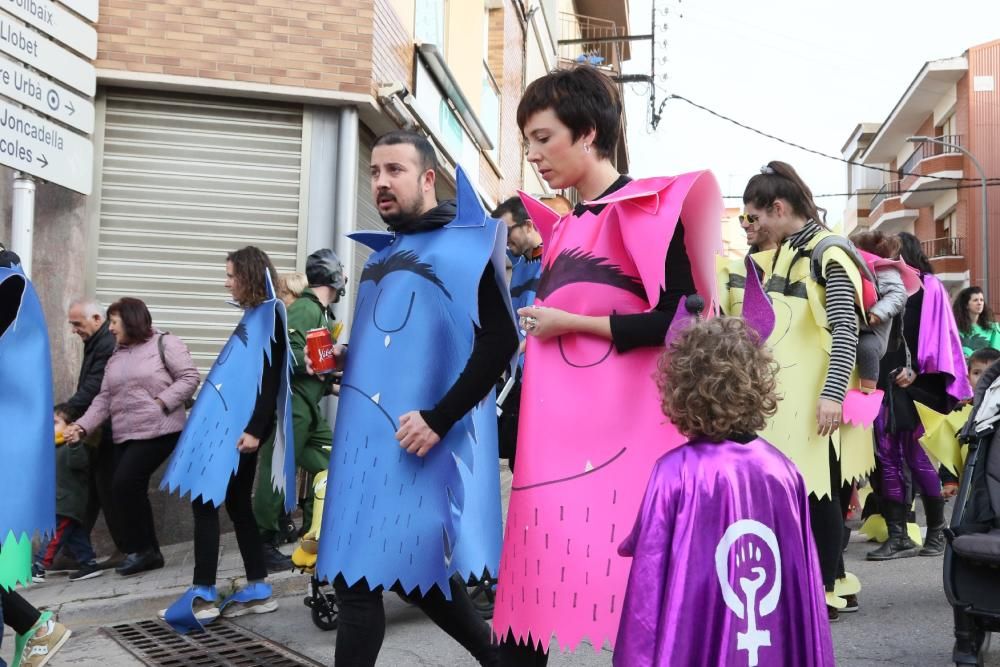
<point x="815" y="342"/>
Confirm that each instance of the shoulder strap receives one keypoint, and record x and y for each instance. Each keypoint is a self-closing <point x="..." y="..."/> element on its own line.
<point x="836" y="241"/>
<point x="163" y="355"/>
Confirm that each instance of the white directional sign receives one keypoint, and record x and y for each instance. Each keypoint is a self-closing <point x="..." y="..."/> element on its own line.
<point x="24" y="86"/>
<point x="31" y="144"/>
<point x="85" y="8"/>
<point x="36" y="50"/>
<point x="60" y="24"/>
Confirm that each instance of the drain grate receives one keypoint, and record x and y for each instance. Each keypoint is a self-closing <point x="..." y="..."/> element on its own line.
<point x="221" y="645"/>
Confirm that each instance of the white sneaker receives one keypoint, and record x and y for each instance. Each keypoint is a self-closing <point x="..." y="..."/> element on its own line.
<point x="203" y="611"/>
<point x="235" y="609"/>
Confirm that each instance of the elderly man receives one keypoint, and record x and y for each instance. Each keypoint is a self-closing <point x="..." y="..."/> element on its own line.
<point x="86" y="318"/>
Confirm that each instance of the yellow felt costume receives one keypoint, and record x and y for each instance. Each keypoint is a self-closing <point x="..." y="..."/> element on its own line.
<point x="801" y="343"/>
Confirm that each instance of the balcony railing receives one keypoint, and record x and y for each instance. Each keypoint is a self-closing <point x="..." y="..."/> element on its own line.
<point x="930" y="149"/>
<point x="948" y="246"/>
<point x="591" y="40"/>
<point x="890" y="189"/>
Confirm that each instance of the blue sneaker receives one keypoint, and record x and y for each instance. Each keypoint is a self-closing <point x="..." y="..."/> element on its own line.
<point x="252" y="599"/>
<point x="193" y="610"/>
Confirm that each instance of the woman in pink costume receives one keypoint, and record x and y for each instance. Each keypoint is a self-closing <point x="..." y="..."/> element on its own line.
<point x="614" y="271"/>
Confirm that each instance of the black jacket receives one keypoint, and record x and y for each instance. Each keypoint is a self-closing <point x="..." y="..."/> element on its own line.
<point x="96" y="352"/>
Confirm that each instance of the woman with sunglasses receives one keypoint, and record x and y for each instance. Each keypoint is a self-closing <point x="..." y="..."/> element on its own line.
<point x="614" y="271"/>
<point x="815" y="342"/>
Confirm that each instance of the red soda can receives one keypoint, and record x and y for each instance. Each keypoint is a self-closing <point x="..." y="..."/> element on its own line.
<point x="319" y="347"/>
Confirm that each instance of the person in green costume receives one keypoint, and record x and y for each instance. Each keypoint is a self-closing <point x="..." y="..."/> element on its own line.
<point x="976" y="325"/>
<point x="313" y="437"/>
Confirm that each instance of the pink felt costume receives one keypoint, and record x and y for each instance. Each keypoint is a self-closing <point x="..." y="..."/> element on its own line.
<point x="591" y="426"/>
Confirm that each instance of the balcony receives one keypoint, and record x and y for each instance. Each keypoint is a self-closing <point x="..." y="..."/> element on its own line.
<point x="887" y="212"/>
<point x="592" y="40"/>
<point x="947" y="254"/>
<point x="928" y="165"/>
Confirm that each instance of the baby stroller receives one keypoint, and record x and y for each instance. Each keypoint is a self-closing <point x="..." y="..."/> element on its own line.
<point x="321" y="602"/>
<point x="972" y="555"/>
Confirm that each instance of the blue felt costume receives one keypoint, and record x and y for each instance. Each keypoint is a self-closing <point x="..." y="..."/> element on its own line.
<point x="206" y="456"/>
<point x="391" y="516"/>
<point x="27" y="455"/>
<point x="524" y="277"/>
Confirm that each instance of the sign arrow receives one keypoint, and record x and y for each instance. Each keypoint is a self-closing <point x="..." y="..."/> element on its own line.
<point x="72" y="109"/>
<point x="45" y="163"/>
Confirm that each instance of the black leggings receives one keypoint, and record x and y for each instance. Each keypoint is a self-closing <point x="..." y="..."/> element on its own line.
<point x="130" y="489"/>
<point x="17" y="612"/>
<point x="361" y="621"/>
<point x="827" y="520"/>
<point x="240" y="509"/>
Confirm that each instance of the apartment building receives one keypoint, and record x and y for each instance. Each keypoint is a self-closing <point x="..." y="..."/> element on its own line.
<point x="931" y="187"/>
<point x="221" y="123"/>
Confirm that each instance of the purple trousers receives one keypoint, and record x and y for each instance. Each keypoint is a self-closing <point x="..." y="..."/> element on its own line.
<point x="902" y="460"/>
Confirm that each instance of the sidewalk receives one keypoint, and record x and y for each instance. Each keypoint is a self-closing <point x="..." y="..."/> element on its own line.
<point x="84" y="606"/>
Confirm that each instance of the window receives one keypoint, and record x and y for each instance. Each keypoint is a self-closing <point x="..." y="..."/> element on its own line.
<point x="428" y="24"/>
<point x="490" y="110"/>
<point x="944" y="227"/>
<point x="948" y="127"/>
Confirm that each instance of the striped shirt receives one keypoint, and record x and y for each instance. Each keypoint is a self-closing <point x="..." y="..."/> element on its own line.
<point x="841" y="319"/>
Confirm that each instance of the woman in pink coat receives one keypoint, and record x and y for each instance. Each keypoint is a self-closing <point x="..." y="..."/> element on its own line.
<point x="147" y="381"/>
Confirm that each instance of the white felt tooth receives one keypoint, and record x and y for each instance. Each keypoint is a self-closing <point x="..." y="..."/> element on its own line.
<point x="376" y="398"/>
<point x="588" y="467"/>
<point x="219" y="386"/>
<point x="387" y="340"/>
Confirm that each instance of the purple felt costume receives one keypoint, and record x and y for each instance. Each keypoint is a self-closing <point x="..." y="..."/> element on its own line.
<point x="724" y="569"/>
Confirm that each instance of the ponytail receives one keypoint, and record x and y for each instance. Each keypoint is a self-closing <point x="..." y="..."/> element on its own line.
<point x="778" y="180"/>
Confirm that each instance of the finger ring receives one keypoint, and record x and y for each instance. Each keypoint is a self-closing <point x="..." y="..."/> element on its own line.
<point x="530" y="323"/>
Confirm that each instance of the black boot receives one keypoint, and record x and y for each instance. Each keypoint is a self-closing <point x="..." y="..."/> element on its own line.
<point x="899" y="544"/>
<point x="934" y="543"/>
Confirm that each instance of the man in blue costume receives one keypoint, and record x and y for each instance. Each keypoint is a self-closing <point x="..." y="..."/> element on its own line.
<point x="524" y="247"/>
<point x="413" y="497"/>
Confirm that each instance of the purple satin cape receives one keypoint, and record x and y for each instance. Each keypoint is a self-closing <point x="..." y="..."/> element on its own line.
<point x="939" y="348"/>
<point x="724" y="568"/>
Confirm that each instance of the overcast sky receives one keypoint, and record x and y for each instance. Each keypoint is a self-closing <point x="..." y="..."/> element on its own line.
<point x="806" y="71"/>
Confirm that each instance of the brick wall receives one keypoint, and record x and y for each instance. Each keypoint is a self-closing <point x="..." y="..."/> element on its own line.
<point x="308" y="43"/>
<point x="393" y="48"/>
<point x="506" y="62"/>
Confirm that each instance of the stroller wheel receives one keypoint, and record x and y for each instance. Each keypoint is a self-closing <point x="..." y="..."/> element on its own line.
<point x="324" y="612"/>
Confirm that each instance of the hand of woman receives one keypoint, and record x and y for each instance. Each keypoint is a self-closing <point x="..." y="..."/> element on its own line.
<point x="828" y="416"/>
<point x="905" y="377"/>
<point x="543" y="322"/>
<point x="247" y="444"/>
<point x="72" y="434"/>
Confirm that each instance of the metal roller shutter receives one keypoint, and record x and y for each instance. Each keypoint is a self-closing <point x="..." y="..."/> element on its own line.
<point x="368" y="217"/>
<point x="186" y="180"/>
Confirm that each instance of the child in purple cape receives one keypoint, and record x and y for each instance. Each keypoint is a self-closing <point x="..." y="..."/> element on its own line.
<point x="724" y="568"/>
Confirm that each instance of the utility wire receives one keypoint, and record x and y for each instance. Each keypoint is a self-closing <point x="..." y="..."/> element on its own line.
<point x="657" y="116"/>
<point x="958" y="186"/>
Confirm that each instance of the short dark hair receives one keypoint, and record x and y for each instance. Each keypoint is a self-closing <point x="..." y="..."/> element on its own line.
<point x="583" y="99"/>
<point x="515" y="207"/>
<point x="428" y="157"/>
<point x="778" y="180"/>
<point x="137" y="323"/>
<point x="985" y="355"/>
<point x="249" y="267"/>
<point x="67" y="412"/>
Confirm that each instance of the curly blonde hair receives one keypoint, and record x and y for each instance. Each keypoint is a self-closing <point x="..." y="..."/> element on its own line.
<point x="291" y="285"/>
<point x="716" y="380"/>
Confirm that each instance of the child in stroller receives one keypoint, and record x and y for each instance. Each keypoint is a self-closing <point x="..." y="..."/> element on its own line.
<point x="972" y="556"/>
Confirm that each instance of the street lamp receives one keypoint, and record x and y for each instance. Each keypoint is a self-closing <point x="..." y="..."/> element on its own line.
<point x="984" y="223"/>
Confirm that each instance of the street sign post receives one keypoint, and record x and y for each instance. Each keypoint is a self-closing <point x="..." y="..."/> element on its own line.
<point x="36" y="146"/>
<point x="46" y="96"/>
<point x="60" y="24"/>
<point x="35" y="50"/>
